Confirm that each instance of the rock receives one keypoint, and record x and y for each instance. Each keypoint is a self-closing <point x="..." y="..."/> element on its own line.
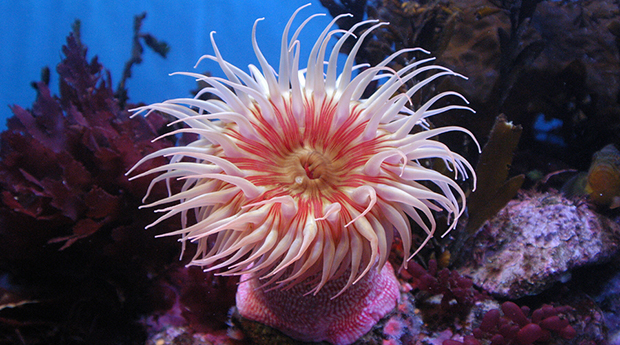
<point x="535" y="241"/>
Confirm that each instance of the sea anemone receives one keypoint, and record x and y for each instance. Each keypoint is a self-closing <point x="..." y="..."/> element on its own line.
<point x="297" y="180"/>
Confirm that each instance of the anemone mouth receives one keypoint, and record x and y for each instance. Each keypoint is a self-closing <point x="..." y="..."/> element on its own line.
<point x="311" y="173"/>
<point x="305" y="160"/>
<point x="302" y="169"/>
<point x="295" y="178"/>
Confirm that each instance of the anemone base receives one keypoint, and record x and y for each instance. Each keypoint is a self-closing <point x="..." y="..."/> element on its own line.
<point x="340" y="321"/>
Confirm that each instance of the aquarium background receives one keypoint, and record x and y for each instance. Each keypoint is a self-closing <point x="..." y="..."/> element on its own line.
<point x="33" y="32"/>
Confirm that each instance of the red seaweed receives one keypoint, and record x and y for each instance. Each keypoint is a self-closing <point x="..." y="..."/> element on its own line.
<point x="72" y="238"/>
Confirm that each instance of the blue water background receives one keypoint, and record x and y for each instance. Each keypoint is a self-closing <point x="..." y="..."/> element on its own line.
<point x="32" y="33"/>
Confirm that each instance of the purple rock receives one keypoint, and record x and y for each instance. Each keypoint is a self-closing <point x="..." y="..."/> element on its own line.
<point x="535" y="241"/>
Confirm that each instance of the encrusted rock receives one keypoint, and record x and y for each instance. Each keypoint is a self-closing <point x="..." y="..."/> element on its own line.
<point x="535" y="241"/>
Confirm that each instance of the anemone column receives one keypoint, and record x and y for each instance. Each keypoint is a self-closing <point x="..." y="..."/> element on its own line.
<point x="324" y="316"/>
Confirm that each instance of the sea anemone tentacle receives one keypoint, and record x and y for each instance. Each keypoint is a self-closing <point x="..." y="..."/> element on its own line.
<point x="296" y="178"/>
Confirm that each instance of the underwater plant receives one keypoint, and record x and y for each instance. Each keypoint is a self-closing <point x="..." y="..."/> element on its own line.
<point x="515" y="327"/>
<point x="299" y="185"/>
<point x="457" y="292"/>
<point x="70" y="239"/>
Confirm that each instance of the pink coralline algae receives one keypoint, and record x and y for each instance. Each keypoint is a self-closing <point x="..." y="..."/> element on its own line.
<point x="535" y="241"/>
